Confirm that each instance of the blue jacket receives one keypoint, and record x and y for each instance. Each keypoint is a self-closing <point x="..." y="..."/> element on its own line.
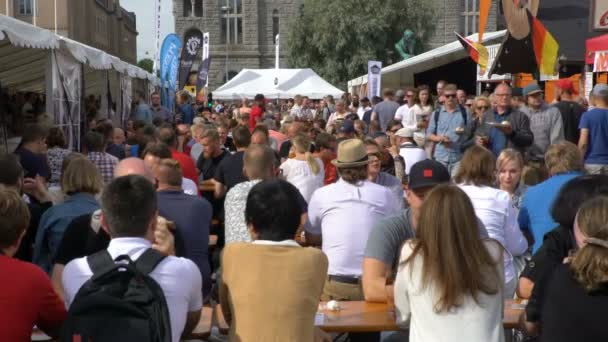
<point x="535" y="211"/>
<point x="53" y="224"/>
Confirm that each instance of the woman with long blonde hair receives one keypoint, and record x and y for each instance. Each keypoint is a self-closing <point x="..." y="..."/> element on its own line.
<point x="304" y="171"/>
<point x="448" y="278"/>
<point x="575" y="301"/>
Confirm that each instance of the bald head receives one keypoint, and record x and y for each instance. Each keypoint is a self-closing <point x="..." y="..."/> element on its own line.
<point x="133" y="166"/>
<point x="258" y="162"/>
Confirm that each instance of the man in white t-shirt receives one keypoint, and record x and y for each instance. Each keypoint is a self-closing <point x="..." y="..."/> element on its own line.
<point x="129" y="215"/>
<point x="403" y="113"/>
<point x="408" y="149"/>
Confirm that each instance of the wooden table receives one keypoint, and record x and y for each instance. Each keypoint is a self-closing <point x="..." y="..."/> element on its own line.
<point x="202" y="331"/>
<point x="206" y="186"/>
<point x="360" y="316"/>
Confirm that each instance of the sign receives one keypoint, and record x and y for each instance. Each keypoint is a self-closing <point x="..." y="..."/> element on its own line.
<point x="156" y="36"/>
<point x="374" y="78"/>
<point x="202" y="80"/>
<point x="588" y="84"/>
<point x="601" y="61"/>
<point x="599" y="15"/>
<point x="193" y="42"/>
<point x="169" y="63"/>
<point x="483" y="76"/>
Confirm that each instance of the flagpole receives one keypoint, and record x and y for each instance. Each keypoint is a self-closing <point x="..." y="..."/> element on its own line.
<point x="55" y="9"/>
<point x="7" y="8"/>
<point x="34" y="12"/>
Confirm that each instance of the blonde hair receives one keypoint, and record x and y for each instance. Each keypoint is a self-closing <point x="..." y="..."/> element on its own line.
<point x="509" y="155"/>
<point x="455" y="262"/>
<point x="301" y="144"/>
<point x="590" y="264"/>
<point x="563" y="157"/>
<point x="81" y="175"/>
<point x="484" y="99"/>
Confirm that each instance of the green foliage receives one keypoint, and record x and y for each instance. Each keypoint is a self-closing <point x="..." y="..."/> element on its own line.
<point x="146" y="64"/>
<point x="336" y="38"/>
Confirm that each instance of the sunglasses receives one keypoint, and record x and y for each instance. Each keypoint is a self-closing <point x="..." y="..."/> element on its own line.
<point x="447" y="96"/>
<point x="483" y="107"/>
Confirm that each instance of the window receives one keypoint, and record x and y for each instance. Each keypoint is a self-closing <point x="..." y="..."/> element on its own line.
<point x="231" y="75"/>
<point x="275" y="25"/>
<point x="198" y="8"/>
<point x="470" y="17"/>
<point x="232" y="22"/>
<point x="187" y="8"/>
<point x="26" y="7"/>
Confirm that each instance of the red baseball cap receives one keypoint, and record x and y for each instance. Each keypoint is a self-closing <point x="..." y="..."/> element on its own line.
<point x="567" y="85"/>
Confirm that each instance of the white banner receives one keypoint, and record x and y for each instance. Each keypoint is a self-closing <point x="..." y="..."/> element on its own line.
<point x="206" y="53"/>
<point x="588" y="84"/>
<point x="600" y="15"/>
<point x="483" y="77"/>
<point x="156" y="36"/>
<point x="277" y="50"/>
<point x="374" y="78"/>
<point x="601" y="61"/>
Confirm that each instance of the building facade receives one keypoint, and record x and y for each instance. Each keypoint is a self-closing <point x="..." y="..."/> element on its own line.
<point x="102" y="24"/>
<point x="242" y="31"/>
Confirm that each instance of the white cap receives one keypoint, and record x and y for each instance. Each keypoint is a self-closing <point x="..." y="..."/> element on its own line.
<point x="405" y="133"/>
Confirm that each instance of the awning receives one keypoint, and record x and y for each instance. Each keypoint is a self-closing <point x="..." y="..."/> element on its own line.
<point x="595" y="44"/>
<point x="402" y="73"/>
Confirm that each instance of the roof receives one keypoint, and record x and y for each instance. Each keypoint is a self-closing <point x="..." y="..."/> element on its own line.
<point x="291" y="82"/>
<point x="403" y="72"/>
<point x="595" y="44"/>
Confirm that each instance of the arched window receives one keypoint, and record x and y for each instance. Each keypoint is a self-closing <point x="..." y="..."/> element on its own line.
<point x="275" y="25"/>
<point x="232" y="22"/>
<point x="187" y="8"/>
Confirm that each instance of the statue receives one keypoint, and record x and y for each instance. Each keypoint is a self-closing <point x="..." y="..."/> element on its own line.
<point x="406" y="46"/>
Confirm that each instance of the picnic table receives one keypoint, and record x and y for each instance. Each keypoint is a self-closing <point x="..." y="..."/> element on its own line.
<point x="360" y="316"/>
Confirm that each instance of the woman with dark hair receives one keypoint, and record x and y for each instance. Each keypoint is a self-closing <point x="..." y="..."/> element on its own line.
<point x="493" y="207"/>
<point x="448" y="278"/>
<point x="575" y="303"/>
<point x="559" y="243"/>
<point x="56" y="145"/>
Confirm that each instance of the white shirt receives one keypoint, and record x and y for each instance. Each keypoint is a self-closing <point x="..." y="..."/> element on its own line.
<point x="471" y="322"/>
<point x="298" y="173"/>
<point x="401" y="113"/>
<point x="284" y="243"/>
<point x="495" y="209"/>
<point x="189" y="187"/>
<point x="344" y="214"/>
<point x="179" y="278"/>
<point x="361" y="111"/>
<point x="411" y="154"/>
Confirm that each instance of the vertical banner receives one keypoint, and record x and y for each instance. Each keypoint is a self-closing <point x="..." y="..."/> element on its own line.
<point x="202" y="80"/>
<point x="169" y="64"/>
<point x="156" y="35"/>
<point x="374" y="78"/>
<point x="193" y="41"/>
<point x="277" y="51"/>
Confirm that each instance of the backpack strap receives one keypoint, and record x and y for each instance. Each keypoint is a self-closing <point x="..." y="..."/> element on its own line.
<point x="464" y="113"/>
<point x="100" y="262"/>
<point x="149" y="260"/>
<point x="436" y="118"/>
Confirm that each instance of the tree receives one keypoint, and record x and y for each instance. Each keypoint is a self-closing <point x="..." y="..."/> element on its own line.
<point x="336" y="38"/>
<point x="146" y="64"/>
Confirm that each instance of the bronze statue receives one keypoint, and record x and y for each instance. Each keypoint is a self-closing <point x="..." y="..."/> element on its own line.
<point x="406" y="46"/>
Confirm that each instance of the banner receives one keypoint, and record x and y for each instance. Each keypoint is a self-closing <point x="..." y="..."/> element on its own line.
<point x="601" y="61"/>
<point x="202" y="79"/>
<point x="277" y="51"/>
<point x="193" y="41"/>
<point x="169" y="63"/>
<point x="374" y="78"/>
<point x="156" y="35"/>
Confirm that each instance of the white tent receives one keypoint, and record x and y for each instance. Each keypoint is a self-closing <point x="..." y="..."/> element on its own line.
<point x="281" y="84"/>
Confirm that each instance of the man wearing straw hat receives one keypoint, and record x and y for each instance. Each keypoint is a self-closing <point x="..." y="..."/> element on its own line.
<point x="341" y="217"/>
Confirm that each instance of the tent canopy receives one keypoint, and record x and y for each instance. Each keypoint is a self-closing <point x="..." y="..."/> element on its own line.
<point x="595" y="44"/>
<point x="402" y="73"/>
<point x="291" y="82"/>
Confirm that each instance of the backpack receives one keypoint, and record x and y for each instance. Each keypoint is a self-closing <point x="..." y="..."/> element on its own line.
<point x="120" y="302"/>
<point x="462" y="110"/>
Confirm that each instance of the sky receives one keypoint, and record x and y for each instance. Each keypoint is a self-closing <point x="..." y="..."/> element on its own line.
<point x="144" y="10"/>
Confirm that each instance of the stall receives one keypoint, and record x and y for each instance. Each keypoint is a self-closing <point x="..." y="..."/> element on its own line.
<point x="63" y="72"/>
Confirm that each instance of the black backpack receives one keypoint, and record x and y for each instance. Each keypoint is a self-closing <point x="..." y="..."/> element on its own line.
<point x="120" y="302"/>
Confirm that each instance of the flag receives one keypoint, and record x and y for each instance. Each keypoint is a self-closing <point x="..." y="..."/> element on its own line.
<point x="476" y="51"/>
<point x="484" y="11"/>
<point x="545" y="47"/>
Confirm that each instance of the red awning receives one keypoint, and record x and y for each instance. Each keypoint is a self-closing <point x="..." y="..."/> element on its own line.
<point x="595" y="44"/>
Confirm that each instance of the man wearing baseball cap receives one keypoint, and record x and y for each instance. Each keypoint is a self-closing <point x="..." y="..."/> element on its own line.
<point x="545" y="123"/>
<point x="570" y="109"/>
<point x="593" y="142"/>
<point x="388" y="235"/>
<point x="341" y="216"/>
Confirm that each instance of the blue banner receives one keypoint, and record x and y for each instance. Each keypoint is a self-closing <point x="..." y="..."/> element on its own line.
<point x="169" y="64"/>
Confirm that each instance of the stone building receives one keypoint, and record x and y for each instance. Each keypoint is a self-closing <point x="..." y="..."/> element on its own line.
<point x="103" y="24"/>
<point x="251" y="25"/>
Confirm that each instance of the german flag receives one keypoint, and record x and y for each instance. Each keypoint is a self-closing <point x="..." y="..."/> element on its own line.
<point x="545" y="47"/>
<point x="476" y="51"/>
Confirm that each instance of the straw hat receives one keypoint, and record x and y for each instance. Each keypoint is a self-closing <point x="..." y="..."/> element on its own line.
<point x="351" y="153"/>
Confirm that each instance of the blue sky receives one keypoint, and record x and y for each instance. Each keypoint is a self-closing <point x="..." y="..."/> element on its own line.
<point x="144" y="10"/>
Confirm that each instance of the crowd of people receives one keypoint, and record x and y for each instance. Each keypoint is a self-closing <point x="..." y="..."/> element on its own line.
<point x="444" y="204"/>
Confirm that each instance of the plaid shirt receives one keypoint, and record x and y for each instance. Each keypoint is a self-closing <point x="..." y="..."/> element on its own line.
<point x="105" y="163"/>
